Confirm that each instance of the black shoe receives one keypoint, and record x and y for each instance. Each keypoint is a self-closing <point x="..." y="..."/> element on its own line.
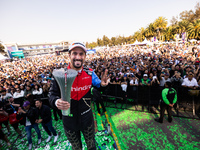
<point x="169" y="120"/>
<point x="158" y="120"/>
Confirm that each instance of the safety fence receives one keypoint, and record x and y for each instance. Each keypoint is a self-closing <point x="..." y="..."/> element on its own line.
<point x="150" y="96"/>
<point x="144" y="96"/>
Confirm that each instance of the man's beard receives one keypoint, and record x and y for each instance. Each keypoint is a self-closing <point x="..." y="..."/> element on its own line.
<point x="79" y="65"/>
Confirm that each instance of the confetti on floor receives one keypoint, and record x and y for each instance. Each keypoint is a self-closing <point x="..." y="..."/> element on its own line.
<point x="130" y="130"/>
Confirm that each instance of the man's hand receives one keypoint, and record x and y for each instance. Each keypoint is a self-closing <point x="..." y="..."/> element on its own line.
<point x="20" y="110"/>
<point x="171" y="105"/>
<point x="62" y="105"/>
<point x="104" y="78"/>
<point x="38" y="121"/>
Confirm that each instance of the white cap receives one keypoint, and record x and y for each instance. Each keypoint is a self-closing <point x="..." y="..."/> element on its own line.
<point x="145" y="75"/>
<point x="77" y="44"/>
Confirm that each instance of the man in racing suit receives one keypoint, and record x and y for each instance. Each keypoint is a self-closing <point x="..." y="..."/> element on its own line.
<point x="82" y="117"/>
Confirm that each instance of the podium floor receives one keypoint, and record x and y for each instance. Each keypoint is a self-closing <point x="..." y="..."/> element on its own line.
<point x="129" y="130"/>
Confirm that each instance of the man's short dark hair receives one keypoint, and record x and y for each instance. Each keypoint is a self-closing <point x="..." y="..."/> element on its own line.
<point x="169" y="84"/>
<point x="38" y="100"/>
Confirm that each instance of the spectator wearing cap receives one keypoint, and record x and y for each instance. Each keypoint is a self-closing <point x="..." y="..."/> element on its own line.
<point x="145" y="81"/>
<point x="144" y="90"/>
<point x="133" y="81"/>
<point x="44" y="80"/>
<point x="46" y="120"/>
<point x="29" y="115"/>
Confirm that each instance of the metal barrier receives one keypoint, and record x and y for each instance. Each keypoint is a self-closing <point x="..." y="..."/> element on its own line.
<point x="148" y="96"/>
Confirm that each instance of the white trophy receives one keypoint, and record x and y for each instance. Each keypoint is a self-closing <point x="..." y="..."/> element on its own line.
<point x="65" y="79"/>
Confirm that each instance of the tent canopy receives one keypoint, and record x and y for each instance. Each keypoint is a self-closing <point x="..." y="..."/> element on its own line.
<point x="3" y="57"/>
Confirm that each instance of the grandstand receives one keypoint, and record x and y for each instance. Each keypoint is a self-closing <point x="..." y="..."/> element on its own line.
<point x="26" y="50"/>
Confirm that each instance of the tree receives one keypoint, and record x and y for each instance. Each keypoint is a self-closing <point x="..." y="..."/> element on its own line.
<point x="129" y="39"/>
<point x="174" y="21"/>
<point x="119" y="40"/>
<point x="99" y="42"/>
<point x="182" y="26"/>
<point x="113" y="41"/>
<point x="139" y="35"/>
<point x="197" y="11"/>
<point x="149" y="31"/>
<point x="187" y="15"/>
<point x="159" y="25"/>
<point x="92" y="45"/>
<point x="106" y="40"/>
<point x="194" y="30"/>
<point x="168" y="34"/>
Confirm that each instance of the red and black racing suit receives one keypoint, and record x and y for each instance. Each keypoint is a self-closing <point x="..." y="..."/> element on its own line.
<point x="82" y="119"/>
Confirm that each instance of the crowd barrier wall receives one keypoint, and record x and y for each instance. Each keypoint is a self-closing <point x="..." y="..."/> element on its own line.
<point x="148" y="96"/>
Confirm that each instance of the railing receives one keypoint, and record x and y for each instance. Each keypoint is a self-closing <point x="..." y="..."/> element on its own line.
<point x="145" y="96"/>
<point x="148" y="96"/>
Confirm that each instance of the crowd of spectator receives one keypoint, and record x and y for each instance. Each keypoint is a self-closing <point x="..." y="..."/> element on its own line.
<point x="30" y="78"/>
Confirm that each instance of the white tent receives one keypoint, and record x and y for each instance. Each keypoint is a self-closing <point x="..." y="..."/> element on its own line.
<point x="2" y="57"/>
<point x="145" y="42"/>
<point x="192" y="40"/>
<point x="136" y="42"/>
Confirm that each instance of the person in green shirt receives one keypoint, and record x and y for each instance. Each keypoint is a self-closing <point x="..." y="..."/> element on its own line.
<point x="169" y="98"/>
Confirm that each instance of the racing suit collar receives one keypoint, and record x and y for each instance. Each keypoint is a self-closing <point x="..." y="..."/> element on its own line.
<point x="79" y="71"/>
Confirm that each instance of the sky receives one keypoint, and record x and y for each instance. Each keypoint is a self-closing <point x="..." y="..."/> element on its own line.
<point x="40" y="21"/>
